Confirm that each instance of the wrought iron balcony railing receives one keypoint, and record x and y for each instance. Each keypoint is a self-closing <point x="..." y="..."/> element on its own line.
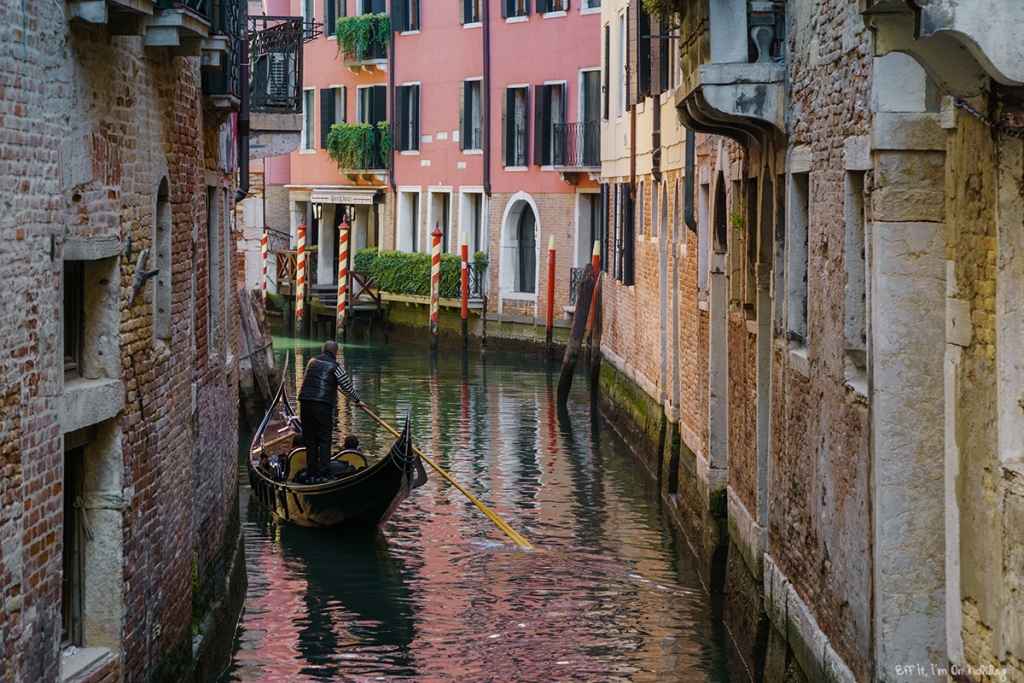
<point x="364" y="38"/>
<point x="574" y="284"/>
<point x="476" y="283"/>
<point x="229" y="18"/>
<point x="359" y="146"/>
<point x="199" y="7"/>
<point x="275" y="57"/>
<point x="577" y="145"/>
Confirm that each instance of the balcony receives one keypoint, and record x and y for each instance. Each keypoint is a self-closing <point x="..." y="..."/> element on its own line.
<point x="185" y="24"/>
<point x="275" y="85"/>
<point x="361" y="150"/>
<point x="222" y="55"/>
<point x="733" y="72"/>
<point x="123" y="17"/>
<point x="577" y="148"/>
<point x="958" y="44"/>
<point x="364" y="41"/>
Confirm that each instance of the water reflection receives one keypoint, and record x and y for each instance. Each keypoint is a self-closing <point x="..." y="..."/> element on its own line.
<point x="441" y="595"/>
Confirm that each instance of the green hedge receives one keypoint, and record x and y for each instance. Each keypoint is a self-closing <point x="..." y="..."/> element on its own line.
<point x="400" y="272"/>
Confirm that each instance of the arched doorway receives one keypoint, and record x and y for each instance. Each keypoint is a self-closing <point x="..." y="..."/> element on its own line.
<point x="526" y="239"/>
<point x="519" y="239"/>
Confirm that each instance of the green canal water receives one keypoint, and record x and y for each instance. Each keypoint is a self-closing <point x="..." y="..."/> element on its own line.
<point x="610" y="594"/>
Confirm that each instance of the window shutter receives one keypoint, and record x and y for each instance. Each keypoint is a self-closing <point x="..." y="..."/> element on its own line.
<point x="504" y="10"/>
<point x="629" y="239"/>
<point x="663" y="45"/>
<point x="643" y="53"/>
<point x="398" y="136"/>
<point x="631" y="54"/>
<point x="526" y="8"/>
<point x="414" y="116"/>
<point x="539" y="120"/>
<point x="505" y="118"/>
<point x="380" y="104"/>
<point x="378" y="6"/>
<point x="654" y="48"/>
<point x="606" y="87"/>
<point x="329" y="18"/>
<point x="326" y="114"/>
<point x="465" y="104"/>
<point x="344" y="105"/>
<point x="398" y="13"/>
<point x="526" y="126"/>
<point x="464" y="7"/>
<point x="604" y="226"/>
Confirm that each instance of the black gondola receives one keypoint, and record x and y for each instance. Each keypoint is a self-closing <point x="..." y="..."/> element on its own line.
<point x="357" y="503"/>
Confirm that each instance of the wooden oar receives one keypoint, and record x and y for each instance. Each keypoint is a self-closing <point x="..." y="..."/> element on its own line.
<point x="509" y="531"/>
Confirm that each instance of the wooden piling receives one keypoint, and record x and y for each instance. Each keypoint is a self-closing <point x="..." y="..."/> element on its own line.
<point x="595" y="342"/>
<point x="579" y="328"/>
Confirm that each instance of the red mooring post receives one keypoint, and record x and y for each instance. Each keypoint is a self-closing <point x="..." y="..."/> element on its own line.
<point x="465" y="289"/>
<point x="435" y="283"/>
<point x="300" y="280"/>
<point x="596" y="262"/>
<point x="550" y="321"/>
<point x="342" y="279"/>
<point x="263" y="251"/>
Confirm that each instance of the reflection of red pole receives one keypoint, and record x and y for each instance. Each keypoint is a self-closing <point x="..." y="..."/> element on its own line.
<point x="551" y="290"/>
<point x="465" y="289"/>
<point x="342" y="277"/>
<point x="435" y="283"/>
<point x="596" y="260"/>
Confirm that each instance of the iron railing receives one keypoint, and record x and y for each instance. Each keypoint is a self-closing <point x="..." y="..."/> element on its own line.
<point x="373" y="49"/>
<point x="518" y="152"/>
<point x="577" y="145"/>
<point x="369" y="155"/>
<point x="275" y="56"/>
<point x="476" y="283"/>
<point x="229" y="18"/>
<point x="200" y="7"/>
<point x="574" y="284"/>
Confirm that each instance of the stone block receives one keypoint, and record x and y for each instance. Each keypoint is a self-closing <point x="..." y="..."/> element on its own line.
<point x="907" y="131"/>
<point x="857" y="153"/>
<point x="959" y="330"/>
<point x="902" y="204"/>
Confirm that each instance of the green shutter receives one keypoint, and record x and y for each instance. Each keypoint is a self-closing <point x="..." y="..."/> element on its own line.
<point x="414" y="116"/>
<point x="326" y="114"/>
<point x="465" y="101"/>
<point x="399" y="118"/>
<point x="398" y="15"/>
<point x="505" y="118"/>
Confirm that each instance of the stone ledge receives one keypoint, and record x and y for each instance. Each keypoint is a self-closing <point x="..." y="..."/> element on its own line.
<point x="793" y="620"/>
<point x="750" y="538"/>
<point x="78" y="248"/>
<point x="83" y="661"/>
<point x="90" y="401"/>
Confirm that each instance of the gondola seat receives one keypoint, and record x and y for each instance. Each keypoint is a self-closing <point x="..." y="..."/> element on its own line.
<point x="352" y="457"/>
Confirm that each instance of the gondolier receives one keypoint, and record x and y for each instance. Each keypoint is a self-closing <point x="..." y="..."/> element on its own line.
<point x="324" y="377"/>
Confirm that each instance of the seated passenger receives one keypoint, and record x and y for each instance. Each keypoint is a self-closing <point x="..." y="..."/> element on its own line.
<point x="351" y="444"/>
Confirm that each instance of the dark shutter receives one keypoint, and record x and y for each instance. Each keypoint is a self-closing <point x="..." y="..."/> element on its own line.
<point x="643" y="62"/>
<point x="666" y="62"/>
<point x="604" y="226"/>
<point x="380" y="104"/>
<point x="654" y="48"/>
<point x="631" y="53"/>
<point x="414" y="116"/>
<point x="541" y="100"/>
<point x="506" y="117"/>
<point x="329" y="16"/>
<point x="378" y="6"/>
<point x="465" y="113"/>
<point x="505" y="10"/>
<point x="398" y="12"/>
<point x="606" y="89"/>
<point x="327" y="113"/>
<point x="399" y="118"/>
<point x="343" y="118"/>
<point x="628" y="239"/>
<point x="526" y="8"/>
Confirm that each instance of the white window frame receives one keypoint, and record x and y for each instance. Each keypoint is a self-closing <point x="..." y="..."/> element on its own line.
<point x="453" y="241"/>
<point x="409" y="226"/>
<point x="465" y="211"/>
<point x="308" y="121"/>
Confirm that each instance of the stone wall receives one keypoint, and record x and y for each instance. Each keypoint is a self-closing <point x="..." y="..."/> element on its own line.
<point x="91" y="126"/>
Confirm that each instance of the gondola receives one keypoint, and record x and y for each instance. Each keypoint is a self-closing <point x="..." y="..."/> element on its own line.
<point x="358" y="503"/>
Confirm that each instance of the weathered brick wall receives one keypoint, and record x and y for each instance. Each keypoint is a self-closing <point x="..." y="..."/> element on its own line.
<point x="122" y="117"/>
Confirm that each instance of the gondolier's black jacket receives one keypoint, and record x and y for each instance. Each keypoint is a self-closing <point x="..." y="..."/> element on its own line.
<point x="324" y="376"/>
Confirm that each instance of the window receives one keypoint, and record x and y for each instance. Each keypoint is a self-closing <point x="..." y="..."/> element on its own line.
<point x="621" y="66"/>
<point x="405" y="14"/>
<point x="408" y="220"/>
<point x="640" y="207"/>
<point x="372" y="106"/>
<point x="622" y="234"/>
<point x="376" y="6"/>
<point x="515" y="8"/>
<point x="750" y="234"/>
<point x="526" y="250"/>
<point x="549" y="113"/>
<point x="856" y="278"/>
<point x="588" y="229"/>
<point x="74" y="318"/>
<point x="439" y="216"/>
<point x="72" y="594"/>
<point x="796" y="286"/>
<point x="332" y="110"/>
<point x="703" y="237"/>
<point x="552" y="5"/>
<point x="514" y="107"/>
<point x="472" y="118"/>
<point x="307" y="11"/>
<point x="162" y="262"/>
<point x="471" y="220"/>
<point x="308" y="97"/>
<point x="591" y="4"/>
<point x="333" y="10"/>
<point x="407" y="118"/>
<point x="472" y="11"/>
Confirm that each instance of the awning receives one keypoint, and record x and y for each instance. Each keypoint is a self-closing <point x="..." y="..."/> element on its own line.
<point x="347" y="196"/>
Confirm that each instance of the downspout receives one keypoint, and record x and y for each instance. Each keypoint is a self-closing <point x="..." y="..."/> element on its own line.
<point x="487" y="97"/>
<point x="688" y="188"/>
<point x="391" y="102"/>
<point x="632" y="153"/>
<point x="243" y="126"/>
<point x="656" y="138"/>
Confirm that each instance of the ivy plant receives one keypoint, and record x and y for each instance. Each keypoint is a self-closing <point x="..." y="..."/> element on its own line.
<point x="351" y="145"/>
<point x="663" y="10"/>
<point x="355" y="34"/>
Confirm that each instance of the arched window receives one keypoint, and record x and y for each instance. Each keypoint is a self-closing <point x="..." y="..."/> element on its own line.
<point x="527" y="247"/>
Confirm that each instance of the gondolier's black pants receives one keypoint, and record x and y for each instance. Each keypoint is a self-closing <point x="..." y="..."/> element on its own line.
<point x="317" y="426"/>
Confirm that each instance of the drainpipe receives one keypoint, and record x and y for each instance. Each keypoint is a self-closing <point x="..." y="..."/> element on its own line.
<point x="632" y="154"/>
<point x="243" y="127"/>
<point x="656" y="139"/>
<point x="688" y="217"/>
<point x="486" y="85"/>
<point x="391" y="100"/>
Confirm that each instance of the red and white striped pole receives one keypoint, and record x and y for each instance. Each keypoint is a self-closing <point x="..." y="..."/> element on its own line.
<point x="465" y="289"/>
<point x="342" y="277"/>
<point x="263" y="248"/>
<point x="435" y="283"/>
<point x="550" y="321"/>
<point x="300" y="277"/>
<point x="596" y="260"/>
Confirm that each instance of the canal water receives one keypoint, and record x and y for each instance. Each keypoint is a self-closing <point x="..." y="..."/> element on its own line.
<point x="610" y="593"/>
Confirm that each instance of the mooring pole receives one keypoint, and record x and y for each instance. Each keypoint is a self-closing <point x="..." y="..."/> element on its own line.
<point x="341" y="330"/>
<point x="596" y="262"/>
<point x="550" y="321"/>
<point x="465" y="289"/>
<point x="435" y="283"/>
<point x="595" y="342"/>
<point x="579" y="327"/>
<point x="300" y="281"/>
<point x="263" y="249"/>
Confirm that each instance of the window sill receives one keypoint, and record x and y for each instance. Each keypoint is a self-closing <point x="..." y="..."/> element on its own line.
<point x="517" y="169"/>
<point x="90" y="401"/>
<point x="799" y="362"/>
<point x="307" y="151"/>
<point x="472" y="151"/>
<point x="519" y="296"/>
<point x="82" y="661"/>
<point x="590" y="10"/>
<point x="415" y="32"/>
<point x="554" y="15"/>
<point x="475" y="24"/>
<point x="409" y="152"/>
<point x="517" y="20"/>
<point x="547" y="168"/>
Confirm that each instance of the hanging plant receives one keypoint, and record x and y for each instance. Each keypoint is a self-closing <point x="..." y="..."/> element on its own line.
<point x="662" y="10"/>
<point x="385" y="142"/>
<point x="349" y="144"/>
<point x="355" y="34"/>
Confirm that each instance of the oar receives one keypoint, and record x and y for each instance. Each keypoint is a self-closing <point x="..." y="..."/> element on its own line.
<point x="509" y="531"/>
